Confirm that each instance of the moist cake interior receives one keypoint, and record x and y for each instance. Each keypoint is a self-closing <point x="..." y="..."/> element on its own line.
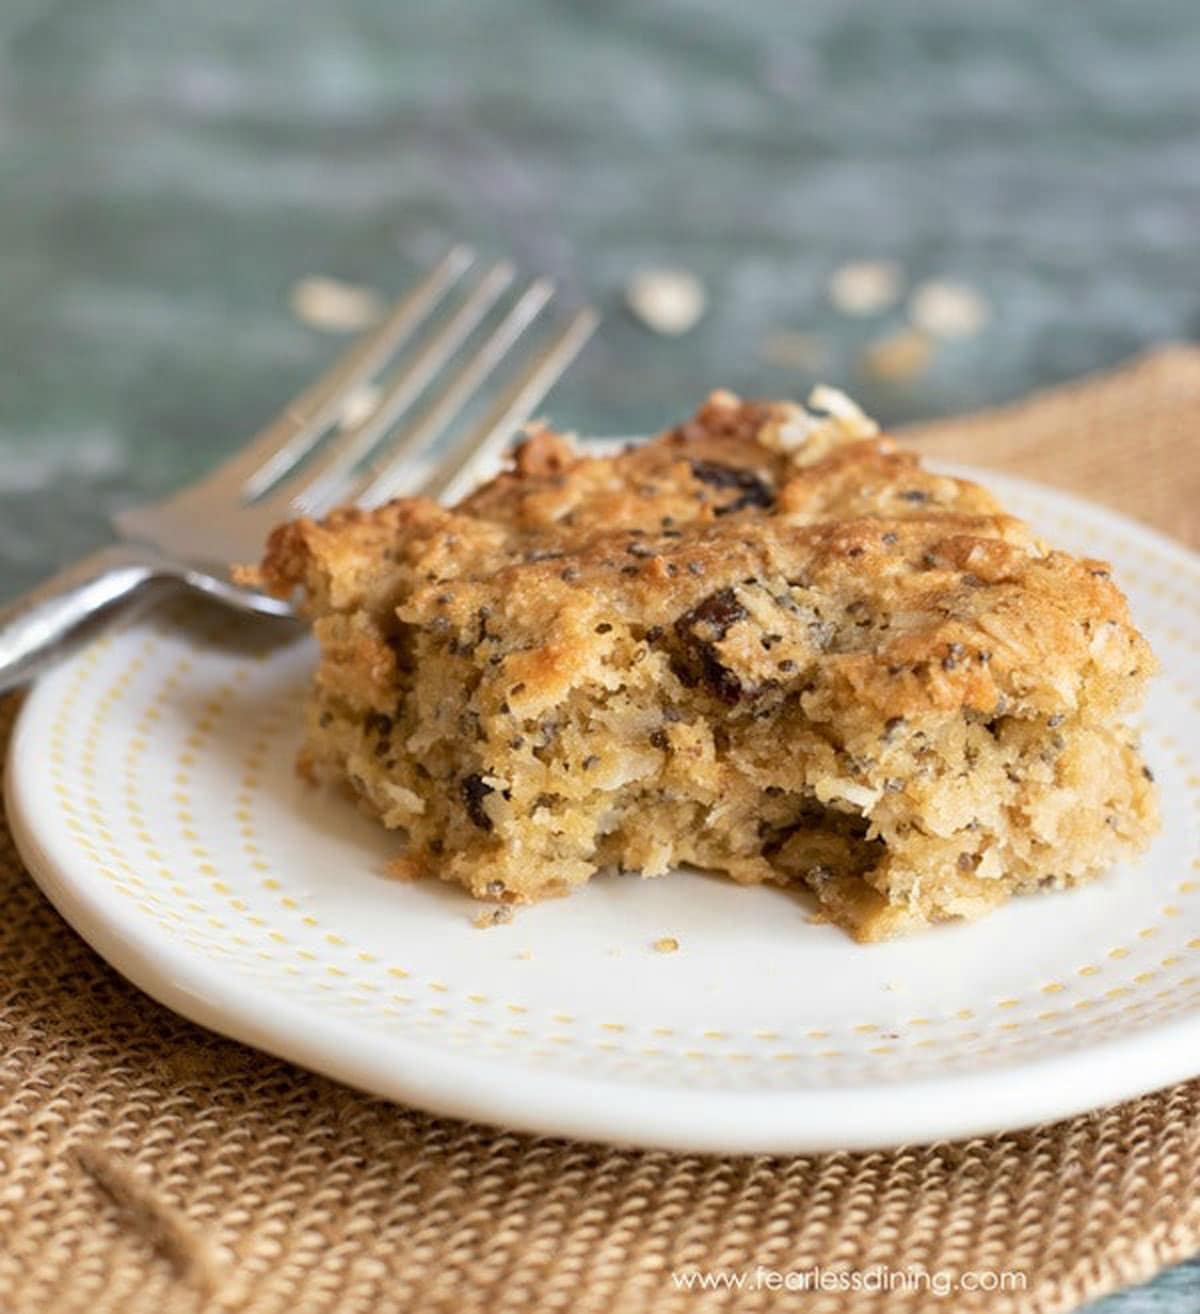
<point x="768" y="643"/>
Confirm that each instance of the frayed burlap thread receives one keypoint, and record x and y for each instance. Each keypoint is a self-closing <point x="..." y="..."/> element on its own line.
<point x="149" y="1167"/>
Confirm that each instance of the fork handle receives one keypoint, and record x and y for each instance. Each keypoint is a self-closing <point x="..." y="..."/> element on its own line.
<point x="44" y="624"/>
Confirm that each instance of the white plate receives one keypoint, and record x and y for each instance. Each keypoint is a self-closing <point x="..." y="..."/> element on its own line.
<point x="152" y="794"/>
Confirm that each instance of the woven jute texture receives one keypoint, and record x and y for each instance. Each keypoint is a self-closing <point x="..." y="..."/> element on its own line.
<point x="1129" y="438"/>
<point x="148" y="1167"/>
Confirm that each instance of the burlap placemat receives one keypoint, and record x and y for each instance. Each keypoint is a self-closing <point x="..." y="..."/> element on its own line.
<point x="147" y="1166"/>
<point x="1129" y="438"/>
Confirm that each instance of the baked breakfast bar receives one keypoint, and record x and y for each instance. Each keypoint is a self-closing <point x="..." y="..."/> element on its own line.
<point x="767" y="643"/>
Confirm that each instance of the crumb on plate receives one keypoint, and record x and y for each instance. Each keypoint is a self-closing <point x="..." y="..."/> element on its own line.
<point x="492" y="917"/>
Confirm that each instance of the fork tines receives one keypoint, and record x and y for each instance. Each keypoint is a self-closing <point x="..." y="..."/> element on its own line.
<point x="368" y="429"/>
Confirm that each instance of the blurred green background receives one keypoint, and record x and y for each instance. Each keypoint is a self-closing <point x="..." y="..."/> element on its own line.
<point x="168" y="171"/>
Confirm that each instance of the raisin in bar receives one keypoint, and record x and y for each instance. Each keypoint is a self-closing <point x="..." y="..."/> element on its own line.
<point x="768" y="643"/>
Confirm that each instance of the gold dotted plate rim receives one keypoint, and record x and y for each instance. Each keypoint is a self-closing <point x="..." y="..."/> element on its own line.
<point x="150" y="792"/>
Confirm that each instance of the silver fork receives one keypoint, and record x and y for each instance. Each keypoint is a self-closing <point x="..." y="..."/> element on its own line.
<point x="191" y="537"/>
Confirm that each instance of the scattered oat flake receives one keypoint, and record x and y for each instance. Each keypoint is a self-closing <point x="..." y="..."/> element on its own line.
<point x="948" y="310"/>
<point x="525" y="955"/>
<point x="359" y="405"/>
<point x="899" y="356"/>
<point x="667" y="944"/>
<point x="865" y="287"/>
<point x="798" y="351"/>
<point x="834" y="402"/>
<point x="333" y="306"/>
<point x="667" y="301"/>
